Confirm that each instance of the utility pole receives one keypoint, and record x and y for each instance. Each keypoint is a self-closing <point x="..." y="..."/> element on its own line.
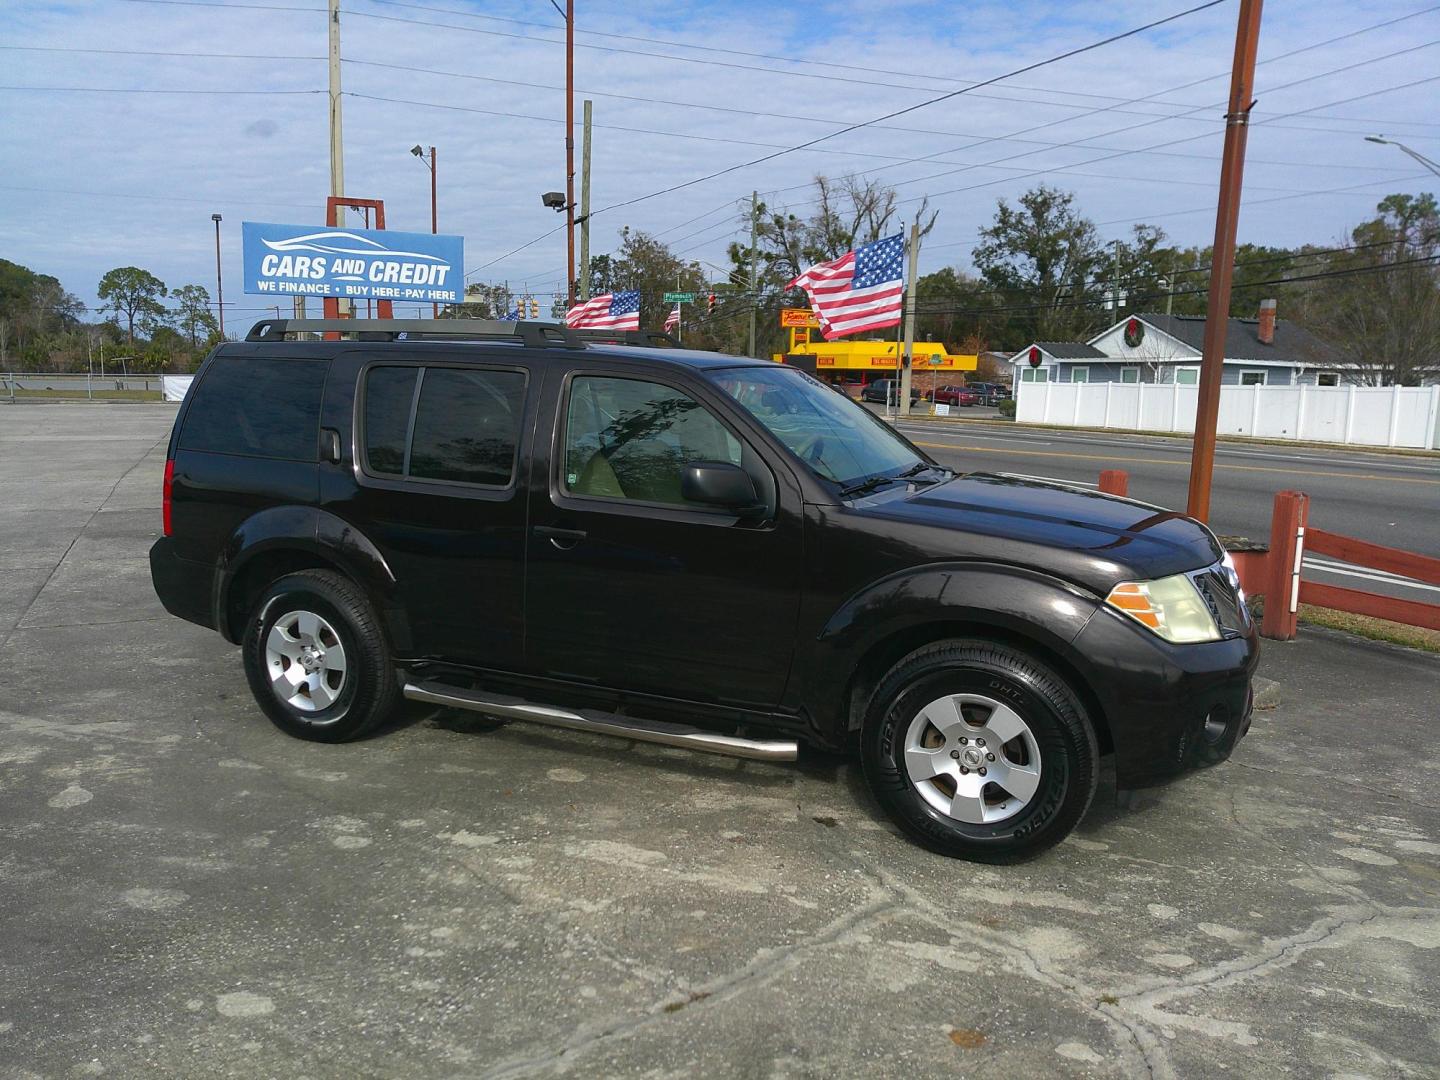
<point x="754" y="263"/>
<point x="585" y="204"/>
<point x="570" y="153"/>
<point x="434" y="220"/>
<point x="1170" y="288"/>
<point x="337" y="143"/>
<point x="219" y="286"/>
<point x="1115" y="277"/>
<point x="907" y="368"/>
<point x="1227" y="216"/>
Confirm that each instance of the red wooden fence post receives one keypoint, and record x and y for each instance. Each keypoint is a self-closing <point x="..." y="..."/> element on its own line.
<point x="1287" y="549"/>
<point x="1115" y="482"/>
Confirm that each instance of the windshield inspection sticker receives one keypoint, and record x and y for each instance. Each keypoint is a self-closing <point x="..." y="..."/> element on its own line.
<point x="303" y="260"/>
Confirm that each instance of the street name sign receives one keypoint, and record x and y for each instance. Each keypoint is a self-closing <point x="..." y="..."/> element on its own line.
<point x="679" y="298"/>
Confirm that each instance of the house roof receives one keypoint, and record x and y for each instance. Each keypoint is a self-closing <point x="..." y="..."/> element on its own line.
<point x="1293" y="344"/>
<point x="1064" y="350"/>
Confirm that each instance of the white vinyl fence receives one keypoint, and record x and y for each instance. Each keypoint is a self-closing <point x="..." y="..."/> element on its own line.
<point x="1360" y="415"/>
<point x="176" y="386"/>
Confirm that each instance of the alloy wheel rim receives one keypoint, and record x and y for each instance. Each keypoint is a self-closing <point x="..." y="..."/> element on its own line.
<point x="972" y="758"/>
<point x="305" y="661"/>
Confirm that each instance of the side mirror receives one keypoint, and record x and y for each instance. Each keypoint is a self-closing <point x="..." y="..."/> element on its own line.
<point x="718" y="483"/>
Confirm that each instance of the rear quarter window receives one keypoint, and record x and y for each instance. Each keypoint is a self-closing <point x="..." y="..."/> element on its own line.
<point x="257" y="407"/>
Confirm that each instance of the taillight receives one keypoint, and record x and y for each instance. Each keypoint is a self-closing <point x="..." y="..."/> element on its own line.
<point x="165" y="496"/>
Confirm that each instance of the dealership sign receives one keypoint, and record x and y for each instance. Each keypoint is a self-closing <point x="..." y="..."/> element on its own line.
<point x="303" y="260"/>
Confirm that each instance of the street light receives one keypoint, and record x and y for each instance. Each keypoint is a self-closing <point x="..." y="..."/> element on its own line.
<point x="1421" y="158"/>
<point x="419" y="152"/>
<point x="219" y="280"/>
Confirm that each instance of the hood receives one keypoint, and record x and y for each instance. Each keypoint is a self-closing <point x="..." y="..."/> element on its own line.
<point x="1082" y="536"/>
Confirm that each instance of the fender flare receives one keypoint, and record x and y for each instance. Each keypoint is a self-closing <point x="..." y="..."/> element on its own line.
<point x="313" y="532"/>
<point x="1015" y="600"/>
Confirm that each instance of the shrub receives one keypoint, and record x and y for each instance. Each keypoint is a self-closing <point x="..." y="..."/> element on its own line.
<point x="1007" y="408"/>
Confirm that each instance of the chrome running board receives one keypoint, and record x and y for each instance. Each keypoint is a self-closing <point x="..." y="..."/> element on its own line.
<point x="625" y="727"/>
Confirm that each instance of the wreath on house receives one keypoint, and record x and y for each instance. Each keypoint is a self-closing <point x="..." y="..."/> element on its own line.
<point x="1134" y="333"/>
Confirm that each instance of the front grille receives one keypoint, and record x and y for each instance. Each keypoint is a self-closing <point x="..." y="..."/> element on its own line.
<point x="1219" y="587"/>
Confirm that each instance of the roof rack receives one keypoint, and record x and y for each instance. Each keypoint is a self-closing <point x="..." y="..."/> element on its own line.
<point x="536" y="335"/>
<point x="654" y="339"/>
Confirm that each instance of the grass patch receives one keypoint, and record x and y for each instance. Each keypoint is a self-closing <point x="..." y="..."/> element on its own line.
<point x="1416" y="637"/>
<point x="81" y="395"/>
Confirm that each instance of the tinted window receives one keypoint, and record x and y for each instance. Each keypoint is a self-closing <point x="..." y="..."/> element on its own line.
<point x="388" y="395"/>
<point x="260" y="407"/>
<point x="629" y="439"/>
<point x="467" y="426"/>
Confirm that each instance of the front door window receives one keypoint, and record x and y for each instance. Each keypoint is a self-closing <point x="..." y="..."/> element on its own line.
<point x="630" y="439"/>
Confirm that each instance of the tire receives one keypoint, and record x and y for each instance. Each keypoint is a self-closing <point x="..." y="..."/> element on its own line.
<point x="930" y="716"/>
<point x="309" y="695"/>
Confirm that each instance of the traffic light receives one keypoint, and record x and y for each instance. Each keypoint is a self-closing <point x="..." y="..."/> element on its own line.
<point x="710" y="304"/>
<point x="534" y="308"/>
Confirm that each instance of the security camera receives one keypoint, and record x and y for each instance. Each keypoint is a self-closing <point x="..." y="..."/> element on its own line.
<point x="555" y="200"/>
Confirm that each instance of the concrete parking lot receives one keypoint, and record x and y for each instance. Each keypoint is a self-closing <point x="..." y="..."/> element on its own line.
<point x="186" y="891"/>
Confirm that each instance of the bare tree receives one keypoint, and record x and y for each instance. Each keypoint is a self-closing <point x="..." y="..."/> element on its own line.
<point x="1384" y="308"/>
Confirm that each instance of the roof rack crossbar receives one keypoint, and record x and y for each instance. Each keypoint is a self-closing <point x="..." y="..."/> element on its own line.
<point x="537" y="335"/>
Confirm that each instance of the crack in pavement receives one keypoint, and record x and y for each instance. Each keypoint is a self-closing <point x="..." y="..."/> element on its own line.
<point x="768" y="962"/>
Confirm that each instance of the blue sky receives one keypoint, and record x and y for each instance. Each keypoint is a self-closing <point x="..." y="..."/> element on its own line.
<point x="119" y="169"/>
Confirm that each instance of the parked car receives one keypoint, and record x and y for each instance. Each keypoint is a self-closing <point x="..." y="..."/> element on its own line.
<point x="954" y="395"/>
<point x="886" y="391"/>
<point x="691" y="549"/>
<point x="989" y="393"/>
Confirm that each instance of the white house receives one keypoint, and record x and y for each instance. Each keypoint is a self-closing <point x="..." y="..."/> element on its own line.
<point x="1152" y="348"/>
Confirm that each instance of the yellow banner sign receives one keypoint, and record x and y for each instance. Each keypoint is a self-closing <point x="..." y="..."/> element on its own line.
<point x="798" y="317"/>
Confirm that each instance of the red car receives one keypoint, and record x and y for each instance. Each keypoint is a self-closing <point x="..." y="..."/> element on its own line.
<point x="954" y="395"/>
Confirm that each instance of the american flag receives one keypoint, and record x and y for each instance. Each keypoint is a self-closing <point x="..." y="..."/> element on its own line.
<point x="609" y="311"/>
<point x="511" y="316"/>
<point x="673" y="319"/>
<point x="864" y="289"/>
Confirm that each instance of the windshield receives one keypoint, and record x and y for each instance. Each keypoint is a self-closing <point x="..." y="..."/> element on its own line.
<point x="837" y="438"/>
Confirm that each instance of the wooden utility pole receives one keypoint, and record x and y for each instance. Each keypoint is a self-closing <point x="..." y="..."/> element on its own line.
<point x="585" y="204"/>
<point x="907" y="368"/>
<point x="1227" y="216"/>
<point x="754" y="263"/>
<point x="569" y="153"/>
<point x="337" y="142"/>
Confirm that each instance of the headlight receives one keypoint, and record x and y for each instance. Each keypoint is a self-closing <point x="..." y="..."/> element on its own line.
<point x="1172" y="607"/>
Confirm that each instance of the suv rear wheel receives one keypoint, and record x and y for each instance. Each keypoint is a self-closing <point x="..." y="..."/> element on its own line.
<point x="316" y="658"/>
<point x="978" y="750"/>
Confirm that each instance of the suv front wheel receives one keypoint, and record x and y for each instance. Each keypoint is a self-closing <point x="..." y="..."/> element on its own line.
<point x="980" y="751"/>
<point x="316" y="658"/>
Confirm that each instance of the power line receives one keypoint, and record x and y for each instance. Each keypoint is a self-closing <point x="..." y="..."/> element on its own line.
<point x="1068" y="54"/>
<point x="131" y="90"/>
<point x="888" y="116"/>
<point x="731" y="110"/>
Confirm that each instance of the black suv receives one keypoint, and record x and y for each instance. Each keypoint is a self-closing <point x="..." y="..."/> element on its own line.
<point x="693" y="549"/>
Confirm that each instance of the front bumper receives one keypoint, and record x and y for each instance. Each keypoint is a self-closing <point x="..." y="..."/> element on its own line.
<point x="1168" y="707"/>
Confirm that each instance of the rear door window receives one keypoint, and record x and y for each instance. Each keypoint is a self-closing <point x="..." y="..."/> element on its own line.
<point x="258" y="407"/>
<point x="450" y="424"/>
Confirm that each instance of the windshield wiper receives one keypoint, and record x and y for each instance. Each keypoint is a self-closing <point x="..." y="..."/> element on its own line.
<point x="864" y="487"/>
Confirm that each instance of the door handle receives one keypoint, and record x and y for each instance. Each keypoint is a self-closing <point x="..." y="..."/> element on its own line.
<point x="330" y="445"/>
<point x="561" y="538"/>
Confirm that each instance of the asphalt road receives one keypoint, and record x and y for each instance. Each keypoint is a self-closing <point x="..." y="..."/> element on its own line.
<point x="187" y="892"/>
<point x="1384" y="498"/>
